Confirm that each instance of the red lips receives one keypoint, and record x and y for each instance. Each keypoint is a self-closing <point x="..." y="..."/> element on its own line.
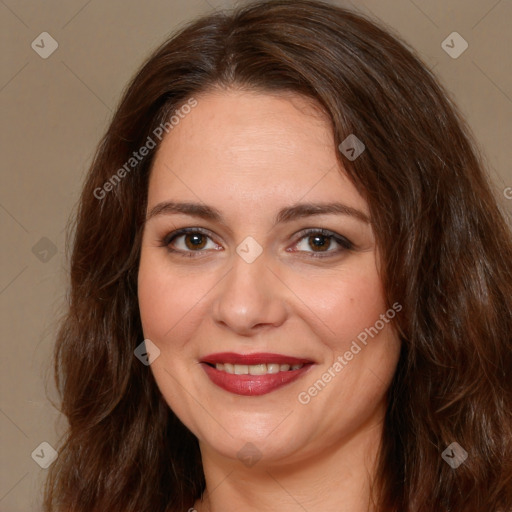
<point x="253" y="385"/>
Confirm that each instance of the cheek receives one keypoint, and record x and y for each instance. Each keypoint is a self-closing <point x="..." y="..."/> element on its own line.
<point x="344" y="302"/>
<point x="167" y="299"/>
<point x="175" y="303"/>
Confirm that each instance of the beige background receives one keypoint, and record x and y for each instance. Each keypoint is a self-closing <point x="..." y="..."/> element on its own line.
<point x="56" y="109"/>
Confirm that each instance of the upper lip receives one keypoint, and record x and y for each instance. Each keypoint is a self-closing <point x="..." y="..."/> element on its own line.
<point x="252" y="359"/>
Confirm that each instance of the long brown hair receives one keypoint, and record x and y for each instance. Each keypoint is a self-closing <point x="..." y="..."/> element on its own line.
<point x="445" y="248"/>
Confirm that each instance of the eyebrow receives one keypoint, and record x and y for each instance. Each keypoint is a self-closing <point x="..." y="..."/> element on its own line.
<point x="287" y="214"/>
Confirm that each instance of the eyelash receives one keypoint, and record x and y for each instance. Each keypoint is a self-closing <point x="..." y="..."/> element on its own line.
<point x="345" y="244"/>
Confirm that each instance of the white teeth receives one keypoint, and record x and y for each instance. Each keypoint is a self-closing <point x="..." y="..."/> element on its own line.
<point x="241" y="369"/>
<point x="256" y="369"/>
<point x="272" y="368"/>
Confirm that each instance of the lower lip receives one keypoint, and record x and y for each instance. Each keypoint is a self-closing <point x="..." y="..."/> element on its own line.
<point x="253" y="385"/>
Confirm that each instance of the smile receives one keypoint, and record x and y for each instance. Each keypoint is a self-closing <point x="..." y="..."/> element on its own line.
<point x="256" y="369"/>
<point x="253" y="374"/>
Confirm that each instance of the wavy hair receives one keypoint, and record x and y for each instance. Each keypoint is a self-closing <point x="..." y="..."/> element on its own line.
<point x="444" y="244"/>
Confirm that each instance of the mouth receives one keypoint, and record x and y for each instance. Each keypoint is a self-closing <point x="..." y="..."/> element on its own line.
<point x="256" y="369"/>
<point x="253" y="374"/>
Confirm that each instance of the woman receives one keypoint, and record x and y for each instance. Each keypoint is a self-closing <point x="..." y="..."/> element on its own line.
<point x="291" y="284"/>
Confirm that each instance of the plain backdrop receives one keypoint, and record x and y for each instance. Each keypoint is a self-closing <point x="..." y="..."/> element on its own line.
<point x="54" y="111"/>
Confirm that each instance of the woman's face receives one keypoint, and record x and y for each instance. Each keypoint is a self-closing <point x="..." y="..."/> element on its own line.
<point x="270" y="331"/>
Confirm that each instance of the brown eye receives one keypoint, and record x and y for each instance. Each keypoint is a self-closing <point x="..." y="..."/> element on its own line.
<point x="189" y="242"/>
<point x="319" y="242"/>
<point x="195" y="240"/>
<point x="322" y="243"/>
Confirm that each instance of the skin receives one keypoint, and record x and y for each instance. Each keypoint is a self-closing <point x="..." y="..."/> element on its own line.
<point x="249" y="154"/>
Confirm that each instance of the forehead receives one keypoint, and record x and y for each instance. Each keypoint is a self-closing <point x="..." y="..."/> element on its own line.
<point x="251" y="148"/>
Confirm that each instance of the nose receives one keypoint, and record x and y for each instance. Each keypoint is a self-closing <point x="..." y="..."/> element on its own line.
<point x="250" y="298"/>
